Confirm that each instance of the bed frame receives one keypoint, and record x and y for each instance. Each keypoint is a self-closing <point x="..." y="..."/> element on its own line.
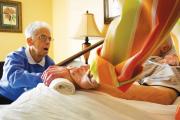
<point x="70" y="59"/>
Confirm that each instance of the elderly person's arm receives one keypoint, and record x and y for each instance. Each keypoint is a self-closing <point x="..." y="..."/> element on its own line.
<point x="155" y="94"/>
<point x="79" y="76"/>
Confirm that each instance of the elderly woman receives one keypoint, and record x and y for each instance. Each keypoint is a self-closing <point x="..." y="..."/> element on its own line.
<point x="23" y="68"/>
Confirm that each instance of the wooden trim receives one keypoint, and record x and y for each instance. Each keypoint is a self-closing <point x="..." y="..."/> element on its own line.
<point x="70" y="59"/>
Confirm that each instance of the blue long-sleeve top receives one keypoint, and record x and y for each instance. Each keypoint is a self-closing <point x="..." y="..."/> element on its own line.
<point x="19" y="75"/>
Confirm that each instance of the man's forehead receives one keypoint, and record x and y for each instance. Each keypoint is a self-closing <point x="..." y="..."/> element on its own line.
<point x="42" y="31"/>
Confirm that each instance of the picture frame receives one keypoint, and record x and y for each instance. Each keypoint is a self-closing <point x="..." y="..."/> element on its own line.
<point x="10" y="16"/>
<point x="111" y="10"/>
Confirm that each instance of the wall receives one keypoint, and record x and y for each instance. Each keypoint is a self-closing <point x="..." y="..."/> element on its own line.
<point x="66" y="18"/>
<point x="63" y="15"/>
<point x="32" y="10"/>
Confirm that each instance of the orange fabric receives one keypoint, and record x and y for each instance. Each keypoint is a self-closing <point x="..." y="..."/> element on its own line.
<point x="144" y="26"/>
<point x="166" y="18"/>
<point x="107" y="73"/>
<point x="123" y="51"/>
<point x="177" y="117"/>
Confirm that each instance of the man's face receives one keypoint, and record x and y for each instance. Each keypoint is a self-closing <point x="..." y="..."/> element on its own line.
<point x="41" y="42"/>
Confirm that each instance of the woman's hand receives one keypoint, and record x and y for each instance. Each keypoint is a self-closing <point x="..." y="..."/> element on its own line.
<point x="53" y="72"/>
<point x="79" y="76"/>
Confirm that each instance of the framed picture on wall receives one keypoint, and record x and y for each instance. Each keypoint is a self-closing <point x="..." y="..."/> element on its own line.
<point x="111" y="10"/>
<point x="10" y="16"/>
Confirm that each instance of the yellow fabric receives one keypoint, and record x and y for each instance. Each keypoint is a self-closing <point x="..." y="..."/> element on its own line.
<point x="175" y="34"/>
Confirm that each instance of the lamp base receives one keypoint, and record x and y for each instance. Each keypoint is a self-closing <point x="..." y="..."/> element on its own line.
<point x="85" y="45"/>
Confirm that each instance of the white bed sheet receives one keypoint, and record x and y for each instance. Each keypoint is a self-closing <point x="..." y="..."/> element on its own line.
<point x="43" y="103"/>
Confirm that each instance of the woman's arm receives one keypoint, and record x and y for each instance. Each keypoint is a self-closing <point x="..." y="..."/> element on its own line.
<point x="79" y="76"/>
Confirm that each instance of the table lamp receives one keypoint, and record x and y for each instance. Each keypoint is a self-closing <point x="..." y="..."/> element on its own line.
<point x="88" y="28"/>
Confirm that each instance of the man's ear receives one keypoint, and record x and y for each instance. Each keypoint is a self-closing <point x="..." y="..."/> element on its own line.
<point x="29" y="41"/>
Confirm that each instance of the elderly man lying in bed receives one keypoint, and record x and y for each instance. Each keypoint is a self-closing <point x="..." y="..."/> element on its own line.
<point x="81" y="78"/>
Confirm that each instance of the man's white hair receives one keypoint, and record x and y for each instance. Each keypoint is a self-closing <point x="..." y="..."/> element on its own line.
<point x="33" y="27"/>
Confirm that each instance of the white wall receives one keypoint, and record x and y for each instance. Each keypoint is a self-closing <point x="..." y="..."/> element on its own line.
<point x="66" y="18"/>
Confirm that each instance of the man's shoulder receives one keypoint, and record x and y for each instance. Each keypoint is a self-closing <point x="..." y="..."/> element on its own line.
<point x="20" y="53"/>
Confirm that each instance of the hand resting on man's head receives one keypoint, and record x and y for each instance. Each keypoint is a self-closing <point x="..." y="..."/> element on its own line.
<point x="79" y="76"/>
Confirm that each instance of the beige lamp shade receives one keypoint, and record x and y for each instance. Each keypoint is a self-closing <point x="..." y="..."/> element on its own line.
<point x="88" y="27"/>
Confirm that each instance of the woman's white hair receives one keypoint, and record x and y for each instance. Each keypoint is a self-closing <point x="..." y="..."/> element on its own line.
<point x="33" y="27"/>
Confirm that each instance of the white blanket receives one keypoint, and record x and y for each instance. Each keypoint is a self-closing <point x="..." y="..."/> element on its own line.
<point x="43" y="103"/>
